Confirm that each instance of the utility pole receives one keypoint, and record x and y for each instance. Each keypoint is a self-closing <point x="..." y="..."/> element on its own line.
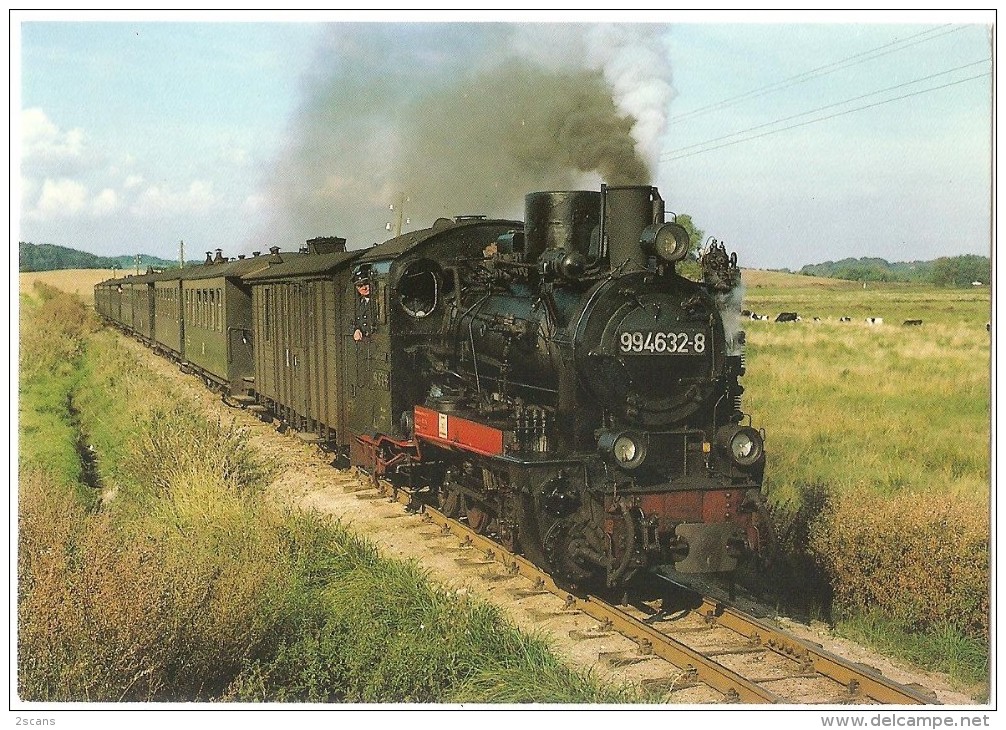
<point x="399" y="215"/>
<point x="137" y="264"/>
<point x="181" y="254"/>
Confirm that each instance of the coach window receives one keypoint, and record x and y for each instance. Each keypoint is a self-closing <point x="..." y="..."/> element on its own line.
<point x="266" y="312"/>
<point x="419" y="288"/>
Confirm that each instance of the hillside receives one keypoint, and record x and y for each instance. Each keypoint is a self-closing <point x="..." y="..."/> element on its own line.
<point x="48" y="257"/>
<point x="944" y="271"/>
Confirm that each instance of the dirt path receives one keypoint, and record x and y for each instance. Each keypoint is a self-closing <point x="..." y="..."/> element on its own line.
<point x="308" y="481"/>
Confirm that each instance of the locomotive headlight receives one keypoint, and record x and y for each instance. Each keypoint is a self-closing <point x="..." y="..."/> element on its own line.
<point x="669" y="241"/>
<point x="626" y="448"/>
<point x="742" y="444"/>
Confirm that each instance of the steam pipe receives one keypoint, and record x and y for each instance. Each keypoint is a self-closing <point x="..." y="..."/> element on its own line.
<point x="602" y="238"/>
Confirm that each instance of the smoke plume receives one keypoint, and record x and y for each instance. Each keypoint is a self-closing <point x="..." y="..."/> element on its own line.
<point x="464" y="119"/>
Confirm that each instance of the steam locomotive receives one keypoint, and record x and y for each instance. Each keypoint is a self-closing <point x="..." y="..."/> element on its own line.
<point x="554" y="382"/>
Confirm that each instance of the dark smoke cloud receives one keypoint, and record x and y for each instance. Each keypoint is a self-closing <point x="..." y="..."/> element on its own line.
<point x="448" y="116"/>
<point x="482" y="145"/>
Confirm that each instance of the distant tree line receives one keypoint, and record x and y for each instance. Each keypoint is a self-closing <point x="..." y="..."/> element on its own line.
<point x="49" y="257"/>
<point x="946" y="271"/>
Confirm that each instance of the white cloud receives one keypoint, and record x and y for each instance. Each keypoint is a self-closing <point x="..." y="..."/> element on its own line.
<point x="104" y="203"/>
<point x="156" y="200"/>
<point x="59" y="199"/>
<point x="43" y="140"/>
<point x="254" y="203"/>
<point x="133" y="181"/>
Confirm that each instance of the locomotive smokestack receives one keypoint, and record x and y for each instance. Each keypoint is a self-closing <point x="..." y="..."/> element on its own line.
<point x="560" y="221"/>
<point x="627" y="211"/>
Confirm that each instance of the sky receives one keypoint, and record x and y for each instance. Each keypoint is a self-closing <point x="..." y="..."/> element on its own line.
<point x="786" y="141"/>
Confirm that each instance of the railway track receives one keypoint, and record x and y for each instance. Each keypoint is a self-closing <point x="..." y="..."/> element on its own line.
<point x="725" y="654"/>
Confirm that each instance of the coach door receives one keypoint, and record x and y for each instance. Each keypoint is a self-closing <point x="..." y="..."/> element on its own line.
<point x="299" y="322"/>
<point x="368" y="375"/>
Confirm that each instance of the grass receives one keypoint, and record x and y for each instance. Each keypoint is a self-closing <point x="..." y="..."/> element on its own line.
<point x="878" y="442"/>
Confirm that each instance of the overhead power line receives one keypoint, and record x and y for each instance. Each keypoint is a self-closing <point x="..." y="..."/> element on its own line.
<point x="830" y="116"/>
<point x="855" y="59"/>
<point x="669" y="154"/>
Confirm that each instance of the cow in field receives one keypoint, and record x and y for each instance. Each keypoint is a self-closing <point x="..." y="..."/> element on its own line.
<point x="913" y="323"/>
<point x="845" y="319"/>
<point x="787" y="317"/>
<point x="874" y="320"/>
<point x="758" y="317"/>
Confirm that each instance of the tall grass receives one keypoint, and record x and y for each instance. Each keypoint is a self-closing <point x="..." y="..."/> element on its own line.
<point x="385" y="634"/>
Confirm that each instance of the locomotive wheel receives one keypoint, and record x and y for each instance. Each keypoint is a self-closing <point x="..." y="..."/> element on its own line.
<point x="507" y="536"/>
<point x="478" y="518"/>
<point x="449" y="501"/>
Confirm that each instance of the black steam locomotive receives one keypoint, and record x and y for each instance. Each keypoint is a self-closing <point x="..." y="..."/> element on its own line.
<point x="554" y="382"/>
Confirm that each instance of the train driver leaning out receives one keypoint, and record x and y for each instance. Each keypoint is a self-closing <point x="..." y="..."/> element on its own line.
<point x="363" y="315"/>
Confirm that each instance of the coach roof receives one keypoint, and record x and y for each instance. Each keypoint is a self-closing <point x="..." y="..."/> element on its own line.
<point x="305" y="265"/>
<point x="399" y="245"/>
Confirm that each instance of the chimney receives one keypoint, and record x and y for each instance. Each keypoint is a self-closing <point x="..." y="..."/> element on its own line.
<point x="241" y="257"/>
<point x="209" y="257"/>
<point x="219" y="259"/>
<point x="274" y="256"/>
<point x="326" y="244"/>
<point x="256" y="254"/>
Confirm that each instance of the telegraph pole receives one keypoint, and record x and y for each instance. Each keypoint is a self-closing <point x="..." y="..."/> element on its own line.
<point x="137" y="264"/>
<point x="181" y="254"/>
<point x="399" y="209"/>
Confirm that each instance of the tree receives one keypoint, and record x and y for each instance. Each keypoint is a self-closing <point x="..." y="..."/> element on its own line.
<point x="688" y="267"/>
<point x="961" y="270"/>
<point x="695" y="235"/>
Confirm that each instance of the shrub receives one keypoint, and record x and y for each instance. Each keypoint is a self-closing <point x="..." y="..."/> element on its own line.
<point x="922" y="558"/>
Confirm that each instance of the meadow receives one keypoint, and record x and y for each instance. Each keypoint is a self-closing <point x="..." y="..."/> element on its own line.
<point x="878" y="439"/>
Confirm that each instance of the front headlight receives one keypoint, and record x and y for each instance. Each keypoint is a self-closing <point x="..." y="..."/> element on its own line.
<point x="742" y="444"/>
<point x="668" y="241"/>
<point x="626" y="448"/>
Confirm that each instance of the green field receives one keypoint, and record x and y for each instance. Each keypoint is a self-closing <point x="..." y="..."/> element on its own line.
<point x="888" y="407"/>
<point x="878" y="441"/>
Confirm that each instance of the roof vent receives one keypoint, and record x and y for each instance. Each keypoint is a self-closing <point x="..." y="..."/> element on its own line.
<point x="469" y="218"/>
<point x="326" y="244"/>
<point x="256" y="254"/>
<point x="241" y="257"/>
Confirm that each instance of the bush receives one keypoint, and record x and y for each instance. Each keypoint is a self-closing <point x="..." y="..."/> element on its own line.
<point x="922" y="559"/>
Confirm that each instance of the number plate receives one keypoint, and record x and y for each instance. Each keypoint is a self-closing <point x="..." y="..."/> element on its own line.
<point x="662" y="343"/>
